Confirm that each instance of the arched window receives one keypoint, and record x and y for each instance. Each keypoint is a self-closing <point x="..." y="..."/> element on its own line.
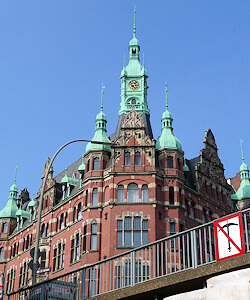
<point x="127" y="159"/>
<point x="186" y="208"/>
<point x="171" y="195"/>
<point x="43" y="230"/>
<point x="27" y="242"/>
<point x="137" y="158"/>
<point x="210" y="216"/>
<point x="144" y="193"/>
<point x="5" y="227"/>
<point x="86" y="199"/>
<point x="120" y="194"/>
<point x="79" y="211"/>
<point x="1" y="254"/>
<point x="66" y="219"/>
<point x="170" y="163"/>
<point x="95" y="197"/>
<point x="180" y="198"/>
<point x="192" y="214"/>
<point x="62" y="221"/>
<point x="132" y="193"/>
<point x="57" y="225"/>
<point x="74" y="214"/>
<point x="96" y="163"/>
<point x="203" y="216"/>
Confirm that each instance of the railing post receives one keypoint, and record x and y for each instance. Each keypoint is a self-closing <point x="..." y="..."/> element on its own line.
<point x="194" y="249"/>
<point x="132" y="268"/>
<point x="83" y="284"/>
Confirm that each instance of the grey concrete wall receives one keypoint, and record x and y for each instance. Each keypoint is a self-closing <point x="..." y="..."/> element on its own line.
<point x="230" y="286"/>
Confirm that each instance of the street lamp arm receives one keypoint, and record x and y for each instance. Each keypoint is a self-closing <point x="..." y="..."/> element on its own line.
<point x="35" y="262"/>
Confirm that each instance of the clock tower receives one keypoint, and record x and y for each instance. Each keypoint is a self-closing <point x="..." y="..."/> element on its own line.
<point x="134" y="81"/>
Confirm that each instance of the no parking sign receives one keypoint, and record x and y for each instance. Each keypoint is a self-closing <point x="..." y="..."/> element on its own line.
<point x="229" y="236"/>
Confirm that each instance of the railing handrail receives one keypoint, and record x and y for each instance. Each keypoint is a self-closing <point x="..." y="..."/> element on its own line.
<point x="125" y="253"/>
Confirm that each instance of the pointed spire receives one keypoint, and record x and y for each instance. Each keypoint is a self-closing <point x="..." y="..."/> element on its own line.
<point x="166" y="91"/>
<point x="241" y="146"/>
<point x="103" y="87"/>
<point x="15" y="173"/>
<point x="134" y="21"/>
<point x="143" y="61"/>
<point x="124" y="62"/>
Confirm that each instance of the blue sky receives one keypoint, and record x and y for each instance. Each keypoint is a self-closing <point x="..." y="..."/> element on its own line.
<point x="56" y="54"/>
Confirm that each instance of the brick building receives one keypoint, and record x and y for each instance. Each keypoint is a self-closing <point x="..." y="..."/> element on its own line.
<point x="115" y="198"/>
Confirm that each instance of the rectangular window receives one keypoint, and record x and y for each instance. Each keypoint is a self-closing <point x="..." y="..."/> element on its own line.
<point x="137" y="158"/>
<point x="170" y="163"/>
<point x="93" y="242"/>
<point x="95" y="197"/>
<point x="75" y="248"/>
<point x="132" y="232"/>
<point x="127" y="159"/>
<point x="43" y="260"/>
<point x="58" y="257"/>
<point x="84" y="239"/>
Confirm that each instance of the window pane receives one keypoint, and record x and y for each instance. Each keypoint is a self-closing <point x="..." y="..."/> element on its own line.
<point x="93" y="228"/>
<point x="127" y="159"/>
<point x="119" y="224"/>
<point x="128" y="223"/>
<point x="119" y="238"/>
<point x="145" y="224"/>
<point x="137" y="222"/>
<point x="133" y="193"/>
<point x="145" y="237"/>
<point x="128" y="238"/>
<point x="96" y="163"/>
<point x="120" y="194"/>
<point x="172" y="228"/>
<point x="137" y="238"/>
<point x="95" y="197"/>
<point x="137" y="158"/>
<point x="144" y="193"/>
<point x="93" y="242"/>
<point x="170" y="162"/>
<point x="171" y="195"/>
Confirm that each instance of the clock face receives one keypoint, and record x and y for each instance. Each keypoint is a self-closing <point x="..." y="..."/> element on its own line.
<point x="133" y="84"/>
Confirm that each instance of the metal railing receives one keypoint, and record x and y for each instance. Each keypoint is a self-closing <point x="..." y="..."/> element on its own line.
<point x="182" y="251"/>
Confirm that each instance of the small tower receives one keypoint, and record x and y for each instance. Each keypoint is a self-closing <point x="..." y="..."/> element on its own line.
<point x="167" y="140"/>
<point x="242" y="196"/>
<point x="8" y="213"/>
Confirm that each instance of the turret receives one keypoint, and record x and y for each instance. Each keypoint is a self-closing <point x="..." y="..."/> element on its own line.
<point x="242" y="196"/>
<point x="167" y="140"/>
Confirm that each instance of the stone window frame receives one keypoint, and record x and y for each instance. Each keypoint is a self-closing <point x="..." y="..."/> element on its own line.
<point x="121" y="228"/>
<point x="137" y="158"/>
<point x="75" y="246"/>
<point x="24" y="273"/>
<point x="58" y="257"/>
<point x="96" y="163"/>
<point x="10" y="282"/>
<point x="93" y="235"/>
<point x="1" y="254"/>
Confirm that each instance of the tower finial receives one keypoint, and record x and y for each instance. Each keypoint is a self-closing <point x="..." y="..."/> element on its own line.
<point x="124" y="61"/>
<point x="15" y="173"/>
<point x="143" y="61"/>
<point x="103" y="87"/>
<point x="241" y="146"/>
<point x="166" y="91"/>
<point x="134" y="21"/>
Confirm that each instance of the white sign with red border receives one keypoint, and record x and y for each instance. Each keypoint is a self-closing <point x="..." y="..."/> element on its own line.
<point x="229" y="236"/>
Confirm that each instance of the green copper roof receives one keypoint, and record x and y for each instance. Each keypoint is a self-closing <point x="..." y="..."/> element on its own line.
<point x="81" y="168"/>
<point x="244" y="189"/>
<point x="9" y="211"/>
<point x="32" y="202"/>
<point x="100" y="131"/>
<point x="185" y="166"/>
<point x="167" y="140"/>
<point x="69" y="180"/>
<point x="22" y="213"/>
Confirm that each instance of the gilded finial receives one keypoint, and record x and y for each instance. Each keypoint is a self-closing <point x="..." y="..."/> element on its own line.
<point x="103" y="87"/>
<point x="15" y="173"/>
<point x="166" y="91"/>
<point x="134" y="20"/>
<point x="241" y="146"/>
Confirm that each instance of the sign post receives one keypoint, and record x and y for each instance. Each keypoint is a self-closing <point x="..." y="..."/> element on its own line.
<point x="229" y="236"/>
